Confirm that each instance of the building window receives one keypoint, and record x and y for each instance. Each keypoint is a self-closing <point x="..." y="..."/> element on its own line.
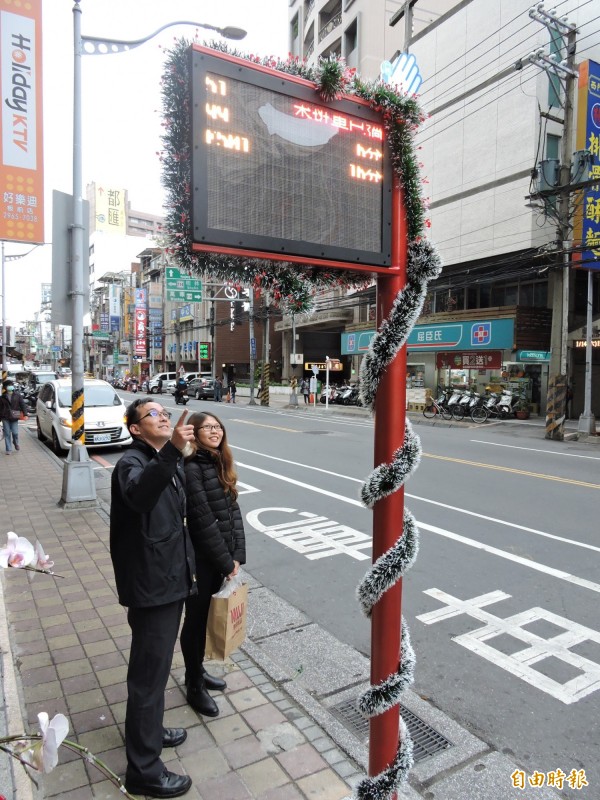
<point x="552" y="146"/>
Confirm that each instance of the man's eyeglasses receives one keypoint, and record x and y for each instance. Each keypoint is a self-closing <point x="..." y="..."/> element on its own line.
<point x="154" y="412"/>
<point x="210" y="428"/>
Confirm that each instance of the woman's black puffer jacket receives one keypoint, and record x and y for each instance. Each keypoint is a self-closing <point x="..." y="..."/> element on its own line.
<point x="214" y="519"/>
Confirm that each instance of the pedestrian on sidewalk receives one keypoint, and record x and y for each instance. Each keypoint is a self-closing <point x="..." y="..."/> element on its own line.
<point x="12" y="406"/>
<point x="218" y="389"/>
<point x="232" y="390"/>
<point x="305" y="389"/>
<point x="154" y="567"/>
<point x="217" y="532"/>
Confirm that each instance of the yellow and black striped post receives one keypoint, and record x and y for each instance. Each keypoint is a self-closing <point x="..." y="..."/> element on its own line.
<point x="77" y="414"/>
<point x="264" y="392"/>
<point x="556" y="407"/>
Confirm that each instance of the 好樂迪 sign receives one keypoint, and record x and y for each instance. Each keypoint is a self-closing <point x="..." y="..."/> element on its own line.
<point x="21" y="163"/>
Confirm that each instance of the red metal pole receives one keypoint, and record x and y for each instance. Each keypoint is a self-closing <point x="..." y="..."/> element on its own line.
<point x="390" y="414"/>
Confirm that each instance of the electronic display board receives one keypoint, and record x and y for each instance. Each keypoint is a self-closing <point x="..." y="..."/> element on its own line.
<point x="278" y="171"/>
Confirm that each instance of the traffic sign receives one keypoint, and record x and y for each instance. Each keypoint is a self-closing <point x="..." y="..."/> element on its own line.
<point x="184" y="283"/>
<point x="184" y="295"/>
<point x="173" y="272"/>
<point x="315" y="369"/>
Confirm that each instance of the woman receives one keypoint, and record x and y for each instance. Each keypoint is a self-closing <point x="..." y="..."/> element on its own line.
<point x="217" y="532"/>
<point x="12" y="406"/>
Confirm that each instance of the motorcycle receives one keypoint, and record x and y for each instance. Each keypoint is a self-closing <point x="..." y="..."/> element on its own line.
<point x="181" y="396"/>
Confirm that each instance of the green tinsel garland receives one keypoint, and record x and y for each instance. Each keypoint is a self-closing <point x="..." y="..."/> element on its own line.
<point x="291" y="285"/>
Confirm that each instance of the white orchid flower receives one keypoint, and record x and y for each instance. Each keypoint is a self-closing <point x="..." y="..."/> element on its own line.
<point x="42" y="560"/>
<point x="44" y="754"/>
<point x="18" y="552"/>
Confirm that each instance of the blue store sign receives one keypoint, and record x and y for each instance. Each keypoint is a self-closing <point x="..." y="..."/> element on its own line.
<point x="493" y="334"/>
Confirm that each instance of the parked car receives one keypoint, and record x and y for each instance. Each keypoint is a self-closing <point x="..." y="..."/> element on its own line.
<point x="104" y="415"/>
<point x="202" y="388"/>
<point x="38" y="379"/>
<point x="164" y="377"/>
<point x="188" y="376"/>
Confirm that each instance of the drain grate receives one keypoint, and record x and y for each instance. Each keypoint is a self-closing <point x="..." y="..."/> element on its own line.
<point x="426" y="740"/>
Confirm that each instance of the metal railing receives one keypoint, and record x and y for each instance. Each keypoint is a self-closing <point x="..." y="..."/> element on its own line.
<point x="333" y="23"/>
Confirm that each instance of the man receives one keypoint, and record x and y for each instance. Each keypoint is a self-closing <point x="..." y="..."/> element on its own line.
<point x="153" y="559"/>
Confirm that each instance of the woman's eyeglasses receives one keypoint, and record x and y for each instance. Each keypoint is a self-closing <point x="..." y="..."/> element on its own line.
<point x="154" y="412"/>
<point x="210" y="428"/>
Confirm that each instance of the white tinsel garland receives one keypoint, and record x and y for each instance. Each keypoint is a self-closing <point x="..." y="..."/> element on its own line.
<point x="423" y="265"/>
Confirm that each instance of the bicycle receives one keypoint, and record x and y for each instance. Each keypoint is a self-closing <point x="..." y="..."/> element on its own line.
<point x="434" y="407"/>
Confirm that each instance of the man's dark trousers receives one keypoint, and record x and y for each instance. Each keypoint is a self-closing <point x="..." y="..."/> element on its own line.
<point x="153" y="635"/>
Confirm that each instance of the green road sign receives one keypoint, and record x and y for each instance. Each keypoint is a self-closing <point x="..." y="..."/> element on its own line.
<point x="172" y="272"/>
<point x="189" y="284"/>
<point x="184" y="295"/>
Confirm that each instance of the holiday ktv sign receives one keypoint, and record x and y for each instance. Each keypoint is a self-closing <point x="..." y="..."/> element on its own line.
<point x="21" y="163"/>
<point x="278" y="171"/>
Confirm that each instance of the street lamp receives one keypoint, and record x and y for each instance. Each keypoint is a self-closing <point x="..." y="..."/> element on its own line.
<point x="78" y="479"/>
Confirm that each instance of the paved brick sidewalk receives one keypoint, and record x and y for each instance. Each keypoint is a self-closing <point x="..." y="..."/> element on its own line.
<point x="67" y="649"/>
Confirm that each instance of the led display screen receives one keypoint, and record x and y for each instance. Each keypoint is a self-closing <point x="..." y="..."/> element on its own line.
<point x="278" y="170"/>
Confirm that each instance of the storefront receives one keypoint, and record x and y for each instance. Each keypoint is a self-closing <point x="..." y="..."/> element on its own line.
<point x="468" y="353"/>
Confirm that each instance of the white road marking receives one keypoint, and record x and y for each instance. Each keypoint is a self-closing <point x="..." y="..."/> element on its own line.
<point x="536" y="649"/>
<point x="536" y="450"/>
<point x="506" y="524"/>
<point x="245" y="488"/>
<point x="297" y="464"/>
<point x="525" y="562"/>
<point x="312" y="535"/>
<point x="485" y="517"/>
<point x="555" y="573"/>
<point x="302" y="485"/>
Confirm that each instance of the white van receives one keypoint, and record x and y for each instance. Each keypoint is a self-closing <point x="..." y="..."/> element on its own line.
<point x="187" y="376"/>
<point x="164" y="377"/>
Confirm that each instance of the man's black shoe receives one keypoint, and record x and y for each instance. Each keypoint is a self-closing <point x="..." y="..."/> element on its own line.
<point x="201" y="701"/>
<point x="167" y="785"/>
<point x="173" y="737"/>
<point x="212" y="682"/>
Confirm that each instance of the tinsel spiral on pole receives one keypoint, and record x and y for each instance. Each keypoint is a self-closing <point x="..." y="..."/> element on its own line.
<point x="423" y="265"/>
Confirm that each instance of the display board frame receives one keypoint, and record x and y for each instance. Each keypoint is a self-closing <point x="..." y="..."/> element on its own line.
<point x="205" y="63"/>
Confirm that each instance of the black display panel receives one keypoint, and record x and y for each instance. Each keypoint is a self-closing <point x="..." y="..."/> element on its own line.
<point x="277" y="170"/>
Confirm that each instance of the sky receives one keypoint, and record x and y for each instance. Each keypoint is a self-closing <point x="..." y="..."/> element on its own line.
<point x="121" y="103"/>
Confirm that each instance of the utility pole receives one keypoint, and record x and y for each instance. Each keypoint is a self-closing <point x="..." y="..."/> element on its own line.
<point x="565" y="71"/>
<point x="266" y="379"/>
<point x="406" y="13"/>
<point x="252" y="343"/>
<point x="177" y="329"/>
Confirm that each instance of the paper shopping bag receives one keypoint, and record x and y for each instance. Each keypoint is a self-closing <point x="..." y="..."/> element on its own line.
<point x="226" y="626"/>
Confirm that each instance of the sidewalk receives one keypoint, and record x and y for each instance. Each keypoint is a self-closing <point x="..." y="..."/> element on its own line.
<point x="288" y="728"/>
<point x="533" y="427"/>
<point x="64" y="649"/>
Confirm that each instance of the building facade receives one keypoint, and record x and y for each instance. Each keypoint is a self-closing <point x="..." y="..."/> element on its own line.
<point x="493" y="118"/>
